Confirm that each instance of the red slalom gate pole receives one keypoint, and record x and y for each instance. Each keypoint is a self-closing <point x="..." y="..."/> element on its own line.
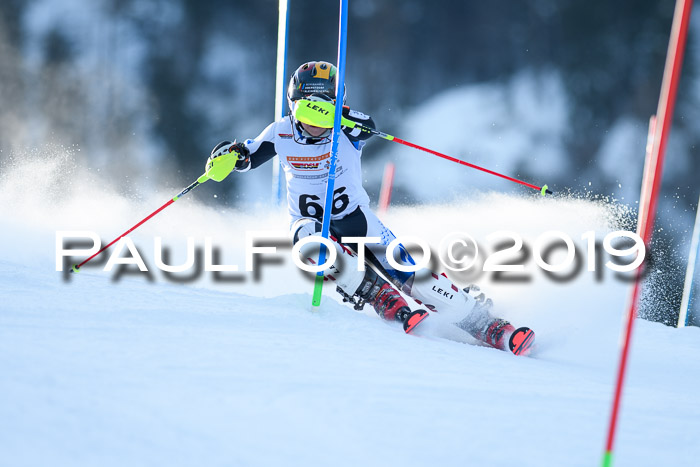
<point x="650" y="189"/>
<point x="189" y="188"/>
<point x="387" y="187"/>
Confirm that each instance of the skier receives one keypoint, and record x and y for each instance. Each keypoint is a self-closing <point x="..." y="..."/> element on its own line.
<point x="304" y="154"/>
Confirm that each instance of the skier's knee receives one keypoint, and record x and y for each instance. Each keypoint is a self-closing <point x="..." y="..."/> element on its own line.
<point x="345" y="271"/>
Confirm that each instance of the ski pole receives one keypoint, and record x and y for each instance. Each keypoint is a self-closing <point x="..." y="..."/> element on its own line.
<point x="219" y="165"/>
<point x="321" y="114"/>
<point x="349" y="123"/>
<point x="191" y="187"/>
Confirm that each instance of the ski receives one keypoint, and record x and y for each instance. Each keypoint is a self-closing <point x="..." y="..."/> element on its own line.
<point x="520" y="342"/>
<point x="413" y="320"/>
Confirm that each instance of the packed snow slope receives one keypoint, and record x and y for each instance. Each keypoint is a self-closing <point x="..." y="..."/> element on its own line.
<point x="106" y="369"/>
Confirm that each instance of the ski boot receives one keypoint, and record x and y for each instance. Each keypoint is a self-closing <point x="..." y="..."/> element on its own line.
<point x="386" y="300"/>
<point x="495" y="332"/>
<point x="389" y="302"/>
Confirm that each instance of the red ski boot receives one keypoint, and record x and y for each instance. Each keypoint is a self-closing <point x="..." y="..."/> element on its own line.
<point x="388" y="302"/>
<point x="503" y="335"/>
<point x="495" y="332"/>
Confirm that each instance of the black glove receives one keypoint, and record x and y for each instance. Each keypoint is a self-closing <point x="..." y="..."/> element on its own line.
<point x="243" y="156"/>
<point x="225" y="147"/>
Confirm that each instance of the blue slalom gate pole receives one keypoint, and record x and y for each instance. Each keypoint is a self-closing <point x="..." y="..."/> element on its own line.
<point x="280" y="92"/>
<point x="339" y="86"/>
<point x="690" y="272"/>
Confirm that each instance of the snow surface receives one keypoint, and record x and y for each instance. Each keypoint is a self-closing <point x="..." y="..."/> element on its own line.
<point x="103" y="370"/>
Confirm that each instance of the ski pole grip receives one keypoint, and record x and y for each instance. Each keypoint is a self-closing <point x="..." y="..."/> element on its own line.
<point x="348" y="123"/>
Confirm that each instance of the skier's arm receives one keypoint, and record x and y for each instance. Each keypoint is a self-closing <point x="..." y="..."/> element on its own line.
<point x="264" y="152"/>
<point x="261" y="149"/>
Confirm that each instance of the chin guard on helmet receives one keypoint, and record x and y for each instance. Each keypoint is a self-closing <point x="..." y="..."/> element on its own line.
<point x="314" y="111"/>
<point x="302" y="136"/>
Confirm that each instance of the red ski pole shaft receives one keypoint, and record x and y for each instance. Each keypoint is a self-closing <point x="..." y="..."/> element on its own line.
<point x="473" y="166"/>
<point x="192" y="186"/>
<point x="542" y="189"/>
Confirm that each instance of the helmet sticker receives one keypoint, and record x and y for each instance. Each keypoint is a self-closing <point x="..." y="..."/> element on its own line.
<point x="315" y="87"/>
<point x="322" y="70"/>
